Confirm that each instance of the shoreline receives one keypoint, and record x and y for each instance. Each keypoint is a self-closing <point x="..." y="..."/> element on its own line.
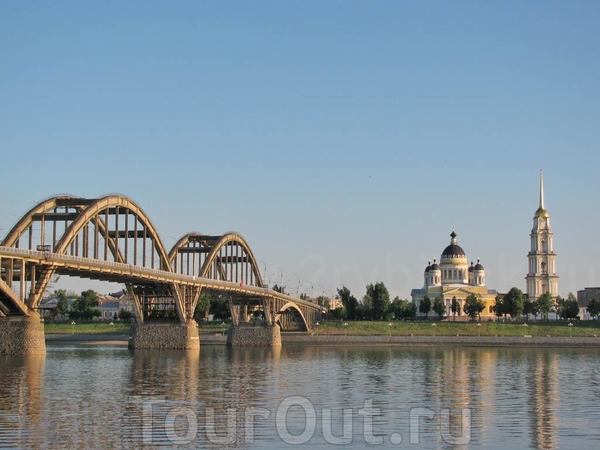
<point x="341" y="340"/>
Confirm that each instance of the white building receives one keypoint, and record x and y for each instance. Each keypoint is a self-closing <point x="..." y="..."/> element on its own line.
<point x="541" y="277"/>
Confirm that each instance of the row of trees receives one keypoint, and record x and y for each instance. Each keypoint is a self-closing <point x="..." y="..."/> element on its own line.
<point x="375" y="305"/>
<point x="516" y="304"/>
<point x="84" y="306"/>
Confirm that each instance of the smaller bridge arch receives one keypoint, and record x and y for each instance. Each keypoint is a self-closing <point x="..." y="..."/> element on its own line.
<point x="296" y="313"/>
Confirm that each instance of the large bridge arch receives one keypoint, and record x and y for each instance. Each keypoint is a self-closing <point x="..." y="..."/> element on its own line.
<point x="112" y="228"/>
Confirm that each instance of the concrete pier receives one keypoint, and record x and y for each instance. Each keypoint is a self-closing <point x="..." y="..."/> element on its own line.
<point x="175" y="336"/>
<point x="245" y="335"/>
<point x="22" y="336"/>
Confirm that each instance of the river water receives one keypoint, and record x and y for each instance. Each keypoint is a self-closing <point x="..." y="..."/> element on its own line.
<point x="313" y="397"/>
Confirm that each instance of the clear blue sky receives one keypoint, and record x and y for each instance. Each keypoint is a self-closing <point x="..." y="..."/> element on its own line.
<point x="342" y="139"/>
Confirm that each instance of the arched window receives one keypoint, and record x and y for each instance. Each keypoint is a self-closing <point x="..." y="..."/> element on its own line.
<point x="544" y="246"/>
<point x="544" y="268"/>
<point x="544" y="289"/>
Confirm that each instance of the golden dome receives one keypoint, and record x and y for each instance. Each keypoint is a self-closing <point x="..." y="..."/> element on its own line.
<point x="541" y="212"/>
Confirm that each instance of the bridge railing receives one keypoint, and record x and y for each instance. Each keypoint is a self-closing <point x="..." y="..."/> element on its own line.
<point x="157" y="273"/>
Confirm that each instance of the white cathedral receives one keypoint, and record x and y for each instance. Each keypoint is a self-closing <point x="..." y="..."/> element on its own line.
<point x="453" y="277"/>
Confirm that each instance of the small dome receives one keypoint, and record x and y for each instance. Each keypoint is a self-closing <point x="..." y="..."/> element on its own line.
<point x="434" y="266"/>
<point x="427" y="269"/>
<point x="541" y="212"/>
<point x="471" y="267"/>
<point x="478" y="266"/>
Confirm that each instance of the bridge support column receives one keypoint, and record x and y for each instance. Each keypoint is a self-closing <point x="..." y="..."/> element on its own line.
<point x="246" y="335"/>
<point x="175" y="336"/>
<point x="22" y="336"/>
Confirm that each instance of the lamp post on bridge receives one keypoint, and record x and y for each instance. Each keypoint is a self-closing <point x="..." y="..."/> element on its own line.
<point x="297" y="290"/>
<point x="281" y="283"/>
<point x="265" y="278"/>
<point x="311" y="289"/>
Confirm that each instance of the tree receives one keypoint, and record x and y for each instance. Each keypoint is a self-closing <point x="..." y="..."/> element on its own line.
<point x="349" y="302"/>
<point x="593" y="308"/>
<point x="529" y="307"/>
<point x="425" y="306"/>
<point x="124" y="315"/>
<point x="278" y="288"/>
<point x="513" y="302"/>
<point x="219" y="307"/>
<point x="84" y="307"/>
<point x="408" y="310"/>
<point x="544" y="305"/>
<point x="377" y="301"/>
<point x="62" y="305"/>
<point x="339" y="313"/>
<point x="455" y="308"/>
<point x="396" y="308"/>
<point x="203" y="306"/>
<point x="439" y="307"/>
<point x="570" y="308"/>
<point x="498" y="307"/>
<point x="473" y="306"/>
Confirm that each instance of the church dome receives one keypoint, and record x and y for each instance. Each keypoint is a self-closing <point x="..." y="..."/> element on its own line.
<point x="428" y="267"/>
<point x="435" y="266"/>
<point x="471" y="267"/>
<point x="453" y="250"/>
<point x="541" y="212"/>
<point x="478" y="266"/>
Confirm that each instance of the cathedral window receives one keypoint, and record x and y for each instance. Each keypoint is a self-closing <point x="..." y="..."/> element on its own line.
<point x="544" y="268"/>
<point x="544" y="246"/>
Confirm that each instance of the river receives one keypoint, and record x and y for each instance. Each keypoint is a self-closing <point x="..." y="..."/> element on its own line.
<point x="301" y="396"/>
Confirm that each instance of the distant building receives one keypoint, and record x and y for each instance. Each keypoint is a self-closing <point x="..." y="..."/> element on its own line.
<point x="541" y="277"/>
<point x="583" y="300"/>
<point x="453" y="277"/>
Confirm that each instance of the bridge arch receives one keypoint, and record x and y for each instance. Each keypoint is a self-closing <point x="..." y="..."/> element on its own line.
<point x="296" y="313"/>
<point x="231" y="259"/>
<point x="113" y="228"/>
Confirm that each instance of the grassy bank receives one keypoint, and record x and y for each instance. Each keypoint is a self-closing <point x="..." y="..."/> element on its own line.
<point x="364" y="328"/>
<point x="116" y="328"/>
<point x="538" y="329"/>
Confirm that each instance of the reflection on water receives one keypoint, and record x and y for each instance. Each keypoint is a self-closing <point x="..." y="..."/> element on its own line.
<point x="110" y="397"/>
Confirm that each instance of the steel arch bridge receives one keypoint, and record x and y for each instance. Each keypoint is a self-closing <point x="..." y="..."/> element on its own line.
<point x="112" y="239"/>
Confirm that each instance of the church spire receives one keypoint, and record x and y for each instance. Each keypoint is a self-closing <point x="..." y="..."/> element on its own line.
<point x="542" y="188"/>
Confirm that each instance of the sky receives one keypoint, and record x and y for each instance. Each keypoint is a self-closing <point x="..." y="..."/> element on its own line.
<point x="343" y="139"/>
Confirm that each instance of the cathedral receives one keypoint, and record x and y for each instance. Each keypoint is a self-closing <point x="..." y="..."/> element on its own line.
<point x="453" y="277"/>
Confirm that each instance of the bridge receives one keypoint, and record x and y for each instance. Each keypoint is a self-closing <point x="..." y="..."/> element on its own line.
<point x="112" y="239"/>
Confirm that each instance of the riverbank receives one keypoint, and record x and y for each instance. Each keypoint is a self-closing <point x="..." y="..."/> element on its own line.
<point x="341" y="340"/>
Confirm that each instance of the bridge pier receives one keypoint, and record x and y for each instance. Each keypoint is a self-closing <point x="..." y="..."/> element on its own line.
<point x="22" y="336"/>
<point x="246" y="335"/>
<point x="173" y="336"/>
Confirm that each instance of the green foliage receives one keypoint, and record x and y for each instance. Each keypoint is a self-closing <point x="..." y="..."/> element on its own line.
<point x="84" y="306"/>
<point x="63" y="300"/>
<point x="349" y="302"/>
<point x="569" y="308"/>
<point x="593" y="308"/>
<point x="439" y="307"/>
<point x="278" y="288"/>
<point x="339" y="313"/>
<point x="219" y="307"/>
<point x="425" y="306"/>
<point x="530" y="308"/>
<point x="376" y="301"/>
<point x="403" y="309"/>
<point x="473" y="306"/>
<point x="455" y="307"/>
<point x="125" y="316"/>
<point x="512" y="303"/>
<point x="544" y="305"/>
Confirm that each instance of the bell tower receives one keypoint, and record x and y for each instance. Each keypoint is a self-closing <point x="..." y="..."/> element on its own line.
<point x="541" y="277"/>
